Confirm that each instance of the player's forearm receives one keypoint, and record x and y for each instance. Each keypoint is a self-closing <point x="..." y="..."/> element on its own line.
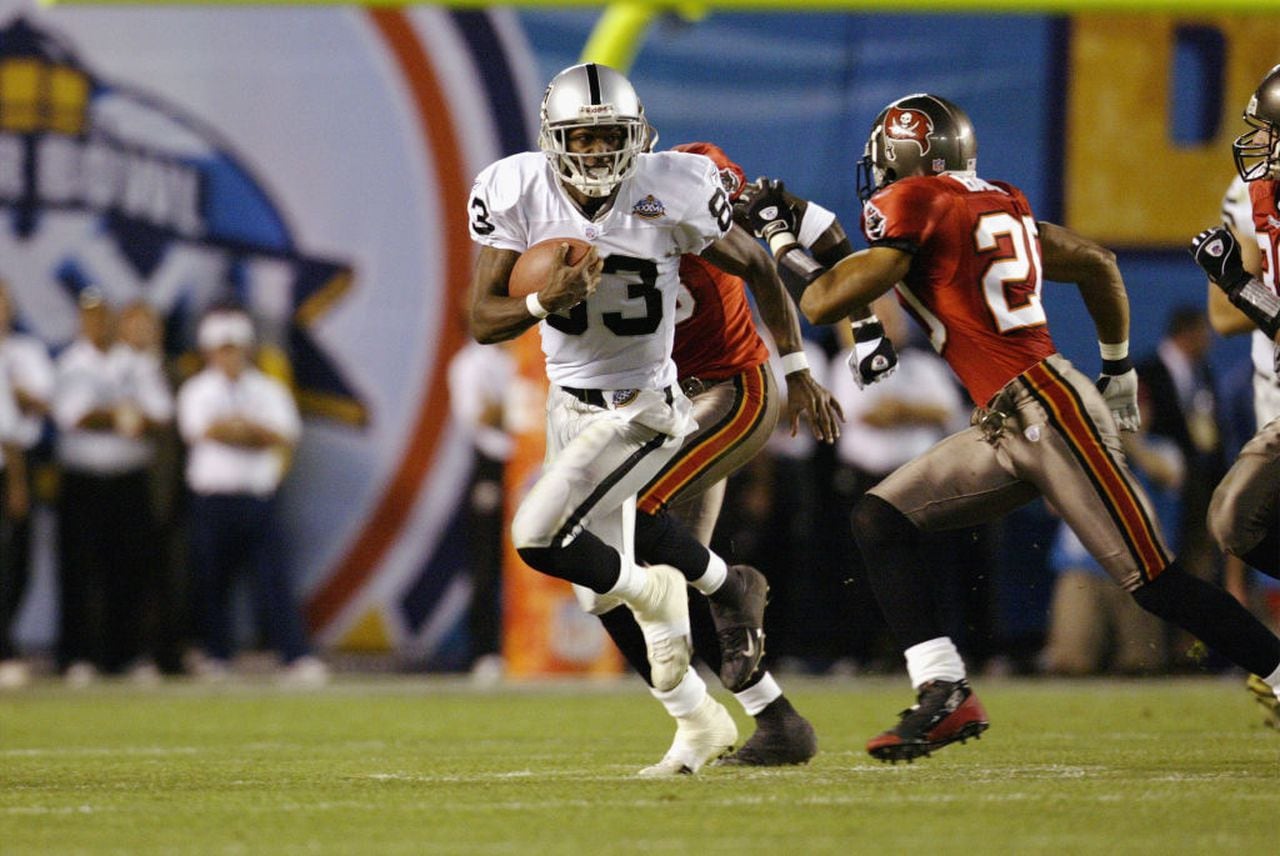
<point x="499" y="319"/>
<point x="850" y="287"/>
<point x="776" y="309"/>
<point x="1108" y="305"/>
<point x="1224" y="317"/>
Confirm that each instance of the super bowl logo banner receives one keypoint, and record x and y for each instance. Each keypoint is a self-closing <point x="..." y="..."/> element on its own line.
<point x="309" y="164"/>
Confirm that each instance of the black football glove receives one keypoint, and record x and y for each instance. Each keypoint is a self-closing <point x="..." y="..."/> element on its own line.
<point x="873" y="357"/>
<point x="1218" y="252"/>
<point x="763" y="210"/>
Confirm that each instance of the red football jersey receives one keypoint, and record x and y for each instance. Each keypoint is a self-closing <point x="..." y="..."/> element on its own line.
<point x="1266" y="225"/>
<point x="975" y="276"/>
<point x="715" y="335"/>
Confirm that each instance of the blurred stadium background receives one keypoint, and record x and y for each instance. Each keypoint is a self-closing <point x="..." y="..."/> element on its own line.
<point x="314" y="162"/>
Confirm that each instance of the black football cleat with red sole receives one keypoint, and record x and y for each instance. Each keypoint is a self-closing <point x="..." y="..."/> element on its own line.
<point x="945" y="712"/>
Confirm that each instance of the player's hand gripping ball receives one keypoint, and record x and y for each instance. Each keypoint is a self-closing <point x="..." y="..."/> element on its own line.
<point x="536" y="265"/>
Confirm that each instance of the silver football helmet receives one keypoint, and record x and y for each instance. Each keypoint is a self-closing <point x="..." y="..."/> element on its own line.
<point x="920" y="134"/>
<point x="588" y="95"/>
<point x="1257" y="150"/>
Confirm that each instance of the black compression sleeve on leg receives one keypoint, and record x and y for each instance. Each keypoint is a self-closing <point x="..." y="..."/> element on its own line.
<point x="587" y="561"/>
<point x="662" y="540"/>
<point x="904" y="588"/>
<point x="1214" y="617"/>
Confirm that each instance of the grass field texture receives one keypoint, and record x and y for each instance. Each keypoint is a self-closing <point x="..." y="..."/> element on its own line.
<point x="402" y="765"/>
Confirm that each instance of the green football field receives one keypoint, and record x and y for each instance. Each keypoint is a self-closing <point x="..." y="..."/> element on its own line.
<point x="403" y="765"/>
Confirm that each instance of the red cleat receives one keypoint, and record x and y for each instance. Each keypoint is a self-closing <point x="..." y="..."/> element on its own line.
<point x="944" y="712"/>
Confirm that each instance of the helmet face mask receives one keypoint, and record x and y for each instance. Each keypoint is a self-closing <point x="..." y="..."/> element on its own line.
<point x="1257" y="150"/>
<point x="599" y="99"/>
<point x="917" y="135"/>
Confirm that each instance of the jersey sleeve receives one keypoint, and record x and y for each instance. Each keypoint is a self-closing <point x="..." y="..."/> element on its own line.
<point x="1237" y="208"/>
<point x="709" y="214"/>
<point x="494" y="215"/>
<point x="902" y="215"/>
<point x="816" y="220"/>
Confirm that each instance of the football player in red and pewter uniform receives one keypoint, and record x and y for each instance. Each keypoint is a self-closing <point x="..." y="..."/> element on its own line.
<point x="1244" y="508"/>
<point x="723" y="366"/>
<point x="967" y="257"/>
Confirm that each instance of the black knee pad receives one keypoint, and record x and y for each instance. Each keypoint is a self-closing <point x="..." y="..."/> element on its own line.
<point x="876" y="523"/>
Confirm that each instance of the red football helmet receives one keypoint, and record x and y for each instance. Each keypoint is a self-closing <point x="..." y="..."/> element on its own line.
<point x="920" y="134"/>
<point x="731" y="175"/>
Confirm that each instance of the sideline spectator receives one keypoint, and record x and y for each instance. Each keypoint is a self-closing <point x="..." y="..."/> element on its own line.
<point x="106" y="403"/>
<point x="480" y="377"/>
<point x="240" y="426"/>
<point x="28" y="370"/>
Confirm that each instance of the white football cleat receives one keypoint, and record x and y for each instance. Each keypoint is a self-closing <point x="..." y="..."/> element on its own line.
<point x="701" y="737"/>
<point x="662" y="611"/>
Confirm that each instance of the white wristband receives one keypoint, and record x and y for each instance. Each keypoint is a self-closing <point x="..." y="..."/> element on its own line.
<point x="536" y="309"/>
<point x="1114" y="350"/>
<point x="781" y="240"/>
<point x="793" y="362"/>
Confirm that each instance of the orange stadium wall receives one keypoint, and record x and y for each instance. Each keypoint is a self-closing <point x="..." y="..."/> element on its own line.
<point x="1126" y="183"/>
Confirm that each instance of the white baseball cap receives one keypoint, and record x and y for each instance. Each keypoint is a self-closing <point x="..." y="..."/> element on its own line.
<point x="225" y="328"/>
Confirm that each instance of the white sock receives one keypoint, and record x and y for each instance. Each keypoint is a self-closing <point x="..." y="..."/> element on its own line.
<point x="631" y="580"/>
<point x="685" y="697"/>
<point x="935" y="660"/>
<point x="1273" y="681"/>
<point x="714" y="576"/>
<point x="760" y="695"/>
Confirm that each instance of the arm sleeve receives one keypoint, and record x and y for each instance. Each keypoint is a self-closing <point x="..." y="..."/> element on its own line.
<point x="153" y="394"/>
<point x="816" y="221"/>
<point x="709" y="215"/>
<point x="282" y="413"/>
<point x="193" y="419"/>
<point x="74" y="397"/>
<point x="901" y="216"/>
<point x="1237" y="209"/>
<point x="493" y="209"/>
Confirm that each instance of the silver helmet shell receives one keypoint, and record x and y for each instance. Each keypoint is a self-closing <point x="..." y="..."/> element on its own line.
<point x="591" y="95"/>
<point x="920" y="134"/>
<point x="1257" y="150"/>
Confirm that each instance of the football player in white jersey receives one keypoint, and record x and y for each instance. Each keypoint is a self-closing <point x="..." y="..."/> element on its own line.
<point x="615" y="412"/>
<point x="1237" y="215"/>
<point x="1240" y="259"/>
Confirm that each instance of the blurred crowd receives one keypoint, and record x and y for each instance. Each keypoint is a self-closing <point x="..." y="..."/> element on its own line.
<point x="161" y="478"/>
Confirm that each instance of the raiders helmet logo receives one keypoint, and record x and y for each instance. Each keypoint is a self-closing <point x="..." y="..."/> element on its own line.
<point x="1215" y="248"/>
<point x="907" y="126"/>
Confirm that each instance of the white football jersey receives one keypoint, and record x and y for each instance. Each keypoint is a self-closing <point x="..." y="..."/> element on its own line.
<point x="620" y="337"/>
<point x="1237" y="212"/>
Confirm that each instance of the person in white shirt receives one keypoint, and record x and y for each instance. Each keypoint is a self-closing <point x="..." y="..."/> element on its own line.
<point x="27" y="370"/>
<point x="240" y="426"/>
<point x="105" y="411"/>
<point x="480" y="383"/>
